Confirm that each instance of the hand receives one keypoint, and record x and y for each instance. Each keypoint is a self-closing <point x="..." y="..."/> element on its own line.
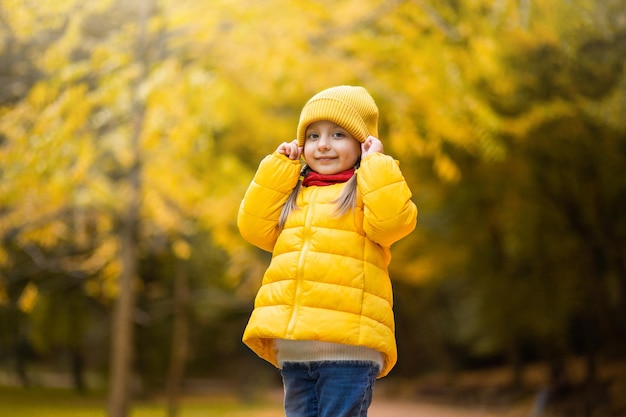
<point x="370" y="146"/>
<point x="290" y="149"/>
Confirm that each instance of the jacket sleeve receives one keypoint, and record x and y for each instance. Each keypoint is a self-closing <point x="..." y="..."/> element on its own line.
<point x="389" y="213"/>
<point x="264" y="199"/>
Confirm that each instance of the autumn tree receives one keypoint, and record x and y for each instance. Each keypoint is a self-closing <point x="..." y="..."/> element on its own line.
<point x="505" y="116"/>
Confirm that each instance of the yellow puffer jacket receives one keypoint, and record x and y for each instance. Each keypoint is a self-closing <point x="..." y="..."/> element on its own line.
<point x="328" y="278"/>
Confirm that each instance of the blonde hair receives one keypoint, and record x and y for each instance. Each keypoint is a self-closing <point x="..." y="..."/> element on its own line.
<point x="346" y="201"/>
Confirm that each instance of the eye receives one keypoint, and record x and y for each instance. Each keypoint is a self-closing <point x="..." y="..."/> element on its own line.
<point x="312" y="136"/>
<point x="339" y="135"/>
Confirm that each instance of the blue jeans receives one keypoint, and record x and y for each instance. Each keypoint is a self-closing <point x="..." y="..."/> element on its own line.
<point x="328" y="388"/>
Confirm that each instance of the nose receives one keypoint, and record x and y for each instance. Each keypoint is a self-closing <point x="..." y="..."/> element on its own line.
<point x="323" y="142"/>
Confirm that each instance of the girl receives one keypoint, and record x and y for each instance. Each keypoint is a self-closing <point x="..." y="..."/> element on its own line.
<point x="323" y="314"/>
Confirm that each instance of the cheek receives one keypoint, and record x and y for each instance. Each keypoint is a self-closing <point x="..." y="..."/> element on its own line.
<point x="307" y="152"/>
<point x="357" y="152"/>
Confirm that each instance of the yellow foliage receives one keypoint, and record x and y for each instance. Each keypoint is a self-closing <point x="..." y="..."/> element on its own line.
<point x="4" y="257"/>
<point x="182" y="249"/>
<point x="108" y="288"/>
<point x="27" y="300"/>
<point x="105" y="252"/>
<point x="223" y="86"/>
<point x="46" y="236"/>
<point x="446" y="168"/>
<point x="43" y="93"/>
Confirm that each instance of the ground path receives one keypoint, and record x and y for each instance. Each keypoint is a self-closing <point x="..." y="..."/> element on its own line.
<point x="385" y="406"/>
<point x="400" y="408"/>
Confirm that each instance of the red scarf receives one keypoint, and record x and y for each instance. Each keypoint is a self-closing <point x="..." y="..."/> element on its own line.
<point x="314" y="178"/>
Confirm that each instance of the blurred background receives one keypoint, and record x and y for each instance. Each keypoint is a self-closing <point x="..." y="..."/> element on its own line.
<point x="129" y="131"/>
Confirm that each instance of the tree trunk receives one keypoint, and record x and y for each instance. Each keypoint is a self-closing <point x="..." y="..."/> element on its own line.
<point x="517" y="366"/>
<point x="78" y="370"/>
<point x="123" y="330"/>
<point x="21" y="358"/>
<point x="180" y="333"/>
<point x="123" y="321"/>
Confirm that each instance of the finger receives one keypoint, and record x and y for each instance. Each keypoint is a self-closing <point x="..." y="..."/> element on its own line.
<point x="293" y="151"/>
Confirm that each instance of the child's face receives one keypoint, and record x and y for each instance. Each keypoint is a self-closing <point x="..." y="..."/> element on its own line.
<point x="330" y="149"/>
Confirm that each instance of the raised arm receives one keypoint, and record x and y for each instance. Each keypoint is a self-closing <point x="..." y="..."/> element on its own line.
<point x="390" y="214"/>
<point x="265" y="197"/>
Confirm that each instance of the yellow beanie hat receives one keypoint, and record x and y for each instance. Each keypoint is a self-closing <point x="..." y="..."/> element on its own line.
<point x="350" y="107"/>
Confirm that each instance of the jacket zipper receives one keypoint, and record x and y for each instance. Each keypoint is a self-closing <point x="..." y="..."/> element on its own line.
<point x="305" y="247"/>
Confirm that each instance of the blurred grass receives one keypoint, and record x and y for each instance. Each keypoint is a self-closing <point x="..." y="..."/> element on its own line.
<point x="53" y="402"/>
